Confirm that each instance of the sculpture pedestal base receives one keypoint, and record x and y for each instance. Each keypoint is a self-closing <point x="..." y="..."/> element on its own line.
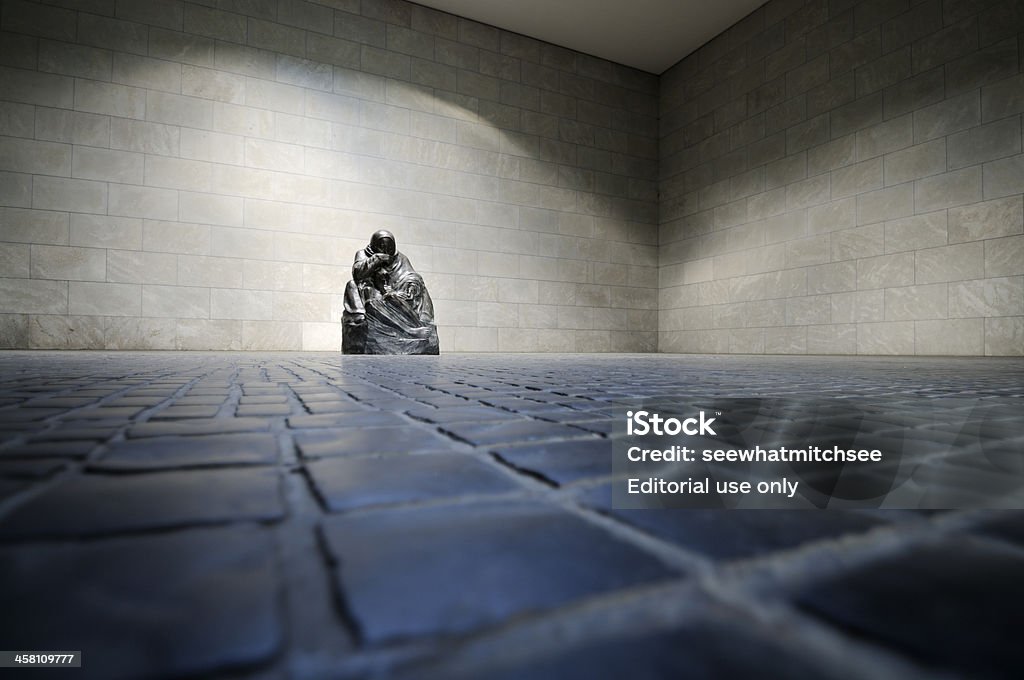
<point x="389" y="326"/>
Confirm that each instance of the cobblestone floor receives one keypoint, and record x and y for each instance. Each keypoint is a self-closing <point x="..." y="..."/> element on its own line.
<point x="313" y="516"/>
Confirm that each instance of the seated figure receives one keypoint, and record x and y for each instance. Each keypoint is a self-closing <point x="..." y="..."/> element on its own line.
<point x="387" y="306"/>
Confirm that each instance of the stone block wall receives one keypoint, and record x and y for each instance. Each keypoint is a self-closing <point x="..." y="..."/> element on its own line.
<point x="198" y="175"/>
<point x="829" y="176"/>
<point x="842" y="177"/>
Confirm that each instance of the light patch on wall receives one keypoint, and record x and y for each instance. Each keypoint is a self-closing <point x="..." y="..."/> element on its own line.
<point x="185" y="190"/>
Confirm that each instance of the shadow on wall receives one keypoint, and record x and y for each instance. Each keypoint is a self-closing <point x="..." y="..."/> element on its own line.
<point x="846" y="178"/>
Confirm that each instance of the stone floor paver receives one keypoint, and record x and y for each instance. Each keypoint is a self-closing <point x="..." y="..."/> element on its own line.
<point x="561" y="462"/>
<point x="364" y="481"/>
<point x="370" y="440"/>
<point x="308" y="515"/>
<point x="705" y="649"/>
<point x="168" y="453"/>
<point x="944" y="604"/>
<point x="738" y="533"/>
<point x="454" y="568"/>
<point x="180" y="603"/>
<point x="94" y="504"/>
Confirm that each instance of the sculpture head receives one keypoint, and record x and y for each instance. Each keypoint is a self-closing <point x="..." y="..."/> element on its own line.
<point x="383" y="242"/>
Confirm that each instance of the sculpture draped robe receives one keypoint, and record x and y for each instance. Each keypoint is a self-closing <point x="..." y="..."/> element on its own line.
<point x="387" y="307"/>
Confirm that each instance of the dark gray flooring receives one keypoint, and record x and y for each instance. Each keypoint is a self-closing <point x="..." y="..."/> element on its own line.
<point x="314" y="516"/>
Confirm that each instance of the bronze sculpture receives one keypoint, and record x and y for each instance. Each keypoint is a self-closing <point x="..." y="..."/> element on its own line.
<point x="387" y="307"/>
